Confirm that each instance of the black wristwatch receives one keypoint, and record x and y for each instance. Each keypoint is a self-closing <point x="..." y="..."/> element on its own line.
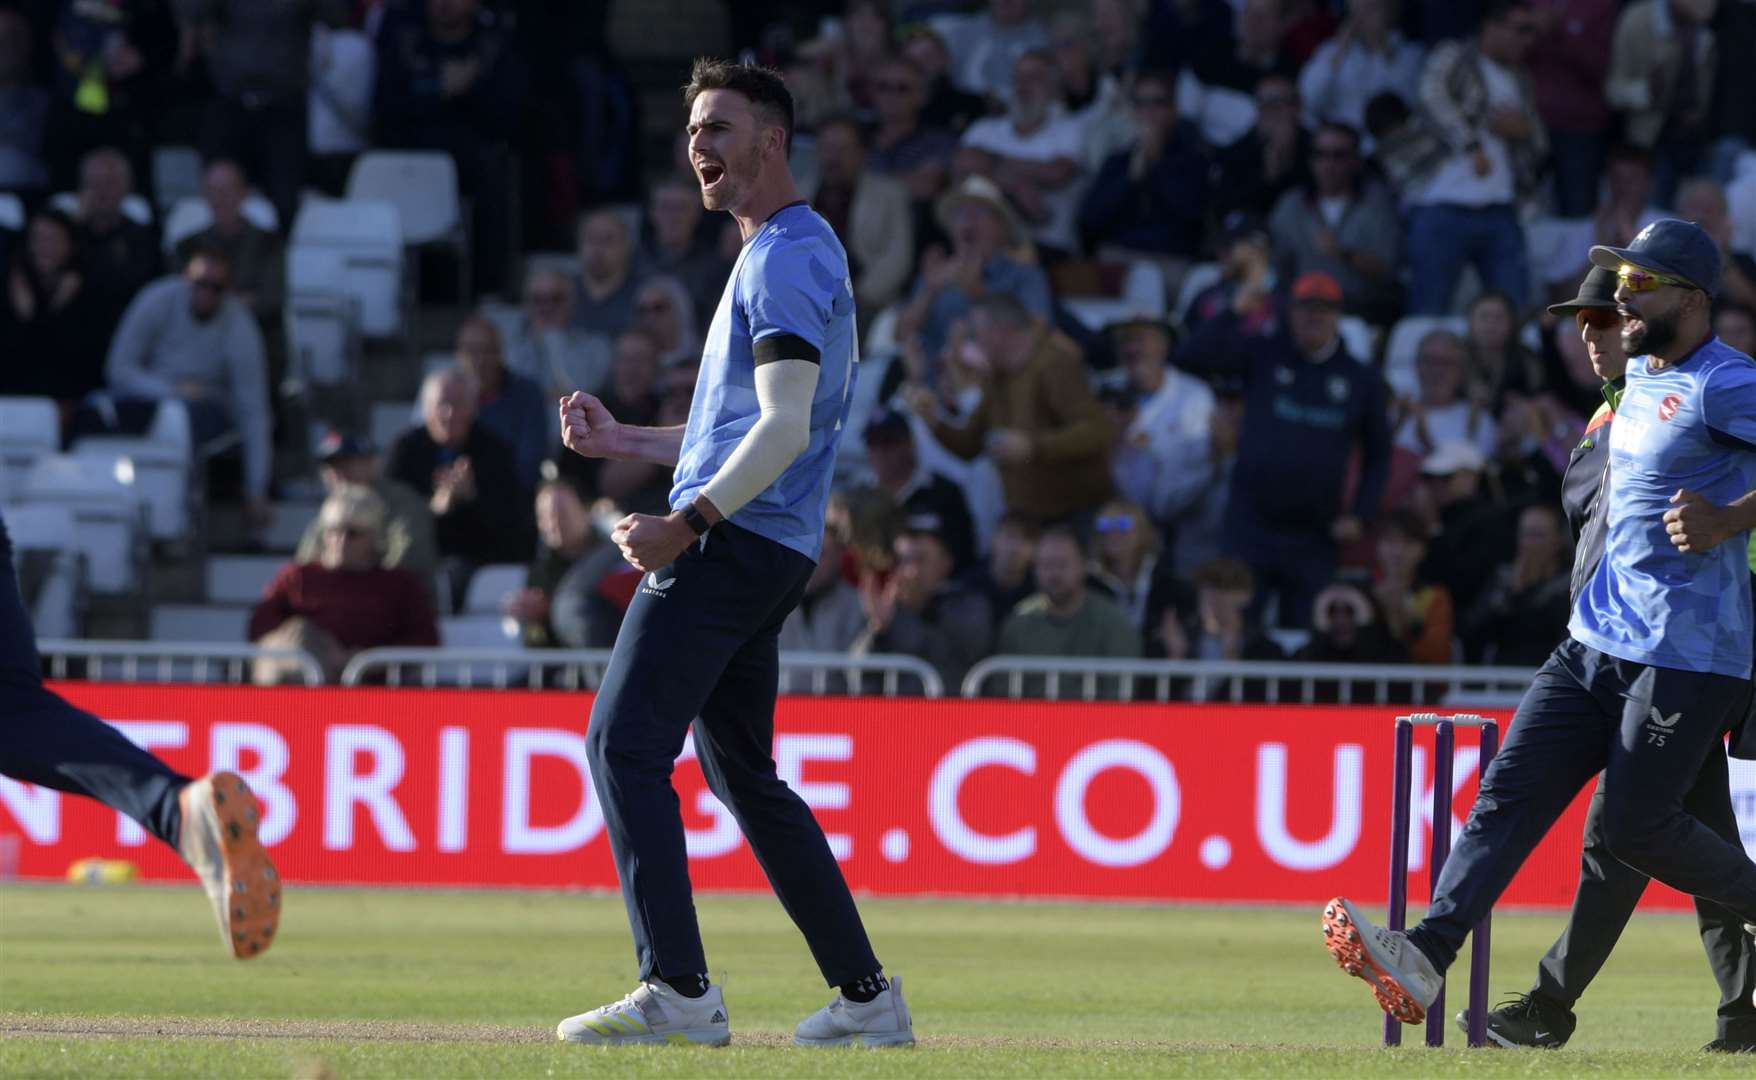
<point x="695" y="519"/>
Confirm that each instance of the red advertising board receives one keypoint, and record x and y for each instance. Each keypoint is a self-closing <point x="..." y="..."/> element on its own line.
<point x="971" y="798"/>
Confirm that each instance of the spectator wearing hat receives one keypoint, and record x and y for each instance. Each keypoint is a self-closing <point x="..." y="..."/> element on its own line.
<point x="921" y="609"/>
<point x="509" y="405"/>
<point x="1152" y="197"/>
<point x="349" y="460"/>
<point x="1343" y="224"/>
<point x="1035" y="153"/>
<point x="1247" y="278"/>
<point x="1270" y="159"/>
<point x="986" y="242"/>
<point x="1164" y="460"/>
<point x="1345" y="630"/>
<point x="924" y="499"/>
<point x="1037" y="419"/>
<point x="1066" y="618"/>
<point x="1471" y="535"/>
<point x="869" y="212"/>
<point x="347" y="600"/>
<point x="1309" y="408"/>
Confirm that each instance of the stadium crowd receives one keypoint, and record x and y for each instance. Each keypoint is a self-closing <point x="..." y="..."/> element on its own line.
<point x="1332" y="426"/>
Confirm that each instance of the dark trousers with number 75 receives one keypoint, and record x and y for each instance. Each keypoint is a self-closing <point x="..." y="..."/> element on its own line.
<point x="701" y="644"/>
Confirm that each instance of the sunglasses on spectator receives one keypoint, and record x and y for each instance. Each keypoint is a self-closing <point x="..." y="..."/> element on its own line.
<point x="1109" y="523"/>
<point x="1636" y="280"/>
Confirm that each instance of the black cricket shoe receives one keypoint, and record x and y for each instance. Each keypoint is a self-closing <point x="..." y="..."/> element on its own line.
<point x="1526" y="1020"/>
<point x="1730" y="1046"/>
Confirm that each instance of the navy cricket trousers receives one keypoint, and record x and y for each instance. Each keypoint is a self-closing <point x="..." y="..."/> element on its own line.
<point x="701" y="644"/>
<point x="45" y="741"/>
<point x="1648" y="730"/>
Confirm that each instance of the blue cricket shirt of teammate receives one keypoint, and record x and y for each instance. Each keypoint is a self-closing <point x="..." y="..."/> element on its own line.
<point x="790" y="278"/>
<point x="1691" y="426"/>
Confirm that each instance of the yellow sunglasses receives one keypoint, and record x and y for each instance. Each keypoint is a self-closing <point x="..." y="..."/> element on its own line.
<point x="1636" y="280"/>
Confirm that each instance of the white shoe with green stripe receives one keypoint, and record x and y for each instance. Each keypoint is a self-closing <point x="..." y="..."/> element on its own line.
<point x="653" y="1013"/>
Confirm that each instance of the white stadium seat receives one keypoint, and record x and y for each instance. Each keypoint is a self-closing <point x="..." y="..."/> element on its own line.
<point x="355" y="248"/>
<point x="134" y="207"/>
<point x="176" y="174"/>
<point x="161" y="475"/>
<point x="11" y="211"/>
<point x="288" y="524"/>
<point x="1196" y="280"/>
<point x="190" y="215"/>
<point x="240" y="579"/>
<point x="109" y="513"/>
<point x="61" y="594"/>
<point x="389" y="419"/>
<point x="206" y="623"/>
<point x="30" y="427"/>
<point x="322" y="334"/>
<point x="490" y="586"/>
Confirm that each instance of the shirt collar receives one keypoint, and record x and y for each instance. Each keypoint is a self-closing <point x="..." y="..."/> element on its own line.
<point x="1612" y="391"/>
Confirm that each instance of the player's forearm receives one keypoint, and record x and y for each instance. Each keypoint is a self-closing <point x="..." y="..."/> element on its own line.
<point x="1744" y="509"/>
<point x="658" y="445"/>
<point x="782" y="431"/>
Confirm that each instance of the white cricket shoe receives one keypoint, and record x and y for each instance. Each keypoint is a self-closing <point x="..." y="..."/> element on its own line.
<point x="653" y="1013"/>
<point x="883" y="1021"/>
<point x="1401" y="976"/>
<point x="219" y="842"/>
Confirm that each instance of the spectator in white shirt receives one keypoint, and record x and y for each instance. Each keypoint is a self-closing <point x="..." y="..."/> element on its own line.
<point x="985" y="46"/>
<point x="1443" y="413"/>
<point x="1035" y="153"/>
<point x="1164" y="463"/>
<point x="1366" y="57"/>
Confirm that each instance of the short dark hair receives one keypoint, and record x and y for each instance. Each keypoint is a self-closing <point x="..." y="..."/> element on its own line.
<point x="766" y="90"/>
<point x="1500" y="9"/>
<point x="1066" y="532"/>
<point x="212" y="252"/>
<point x="1337" y="127"/>
<point x="1003" y="306"/>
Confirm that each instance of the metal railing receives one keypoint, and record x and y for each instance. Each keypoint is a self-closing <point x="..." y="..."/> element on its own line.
<point x="151" y="662"/>
<point x="1275" y="682"/>
<point x="575" y="669"/>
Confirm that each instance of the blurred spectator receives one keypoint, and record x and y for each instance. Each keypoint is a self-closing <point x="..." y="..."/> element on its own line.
<point x="1537" y="436"/>
<point x="1129" y="560"/>
<point x="1151" y="198"/>
<point x="1662" y="75"/>
<point x="905" y="146"/>
<point x="1402" y="150"/>
<point x="546" y="348"/>
<point x="467" y="476"/>
<point x="1442" y="413"/>
<point x="1163" y="461"/>
<point x="869" y="212"/>
<point x="1037" y="418"/>
<point x="831" y="616"/>
<point x="1470" y="535"/>
<point x="921" y="610"/>
<point x="1499" y="364"/>
<point x="1345" y="225"/>
<point x="185" y="336"/>
<point x="1522" y="613"/>
<point x="346" y="601"/>
<point x="607" y="281"/>
<point x="1309" y="409"/>
<point x="1199" y="534"/>
<point x="1246" y="284"/>
<point x="1345" y="630"/>
<point x="55" y="336"/>
<point x="1225" y="629"/>
<point x="111" y="80"/>
<point x="662" y="309"/>
<point x="1700" y="199"/>
<point x="1477" y="100"/>
<point x="1009" y="574"/>
<point x="117" y="255"/>
<point x="848" y="55"/>
<point x="1567" y="68"/>
<point x="1116" y="30"/>
<point x="1629" y="206"/>
<point x="1735" y="325"/>
<point x="259" y="57"/>
<point x="924" y="499"/>
<point x="1734" y="94"/>
<point x="1181" y="33"/>
<point x="24" y="109"/>
<point x="351" y="461"/>
<point x="984" y="47"/>
<point x="676" y="246"/>
<point x="1418" y="614"/>
<point x="344" y="70"/>
<point x="1065" y="618"/>
<point x="1366" y="57"/>
<point x="1255" y="54"/>
<point x="453" y="82"/>
<point x="985" y="240"/>
<point x="948" y="108"/>
<point x="1270" y="159"/>
<point x="257" y="256"/>
<point x="1035" y="152"/>
<point x="1094" y="99"/>
<point x="559" y="581"/>
<point x="633" y="389"/>
<point x="508" y="405"/>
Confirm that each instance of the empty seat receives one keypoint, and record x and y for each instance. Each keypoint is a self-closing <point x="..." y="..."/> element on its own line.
<point x="30" y="427"/>
<point x="422" y="185"/>
<point x="389" y="420"/>
<point x="354" y="248"/>
<point x="240" y="579"/>
<point x="322" y="329"/>
<point x="490" y="586"/>
<point x="59" y="595"/>
<point x="11" y="211"/>
<point x="161" y="475"/>
<point x="287" y="525"/>
<point x="176" y="174"/>
<point x="205" y="623"/>
<point x="478" y="632"/>
<point x="109" y="513"/>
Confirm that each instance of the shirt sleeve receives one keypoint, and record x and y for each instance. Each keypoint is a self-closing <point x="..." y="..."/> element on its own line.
<point x="792" y="292"/>
<point x="1728" y="405"/>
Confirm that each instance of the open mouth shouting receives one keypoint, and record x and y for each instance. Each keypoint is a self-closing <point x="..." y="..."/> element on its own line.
<point x="1632" y="323"/>
<point x="711" y="173"/>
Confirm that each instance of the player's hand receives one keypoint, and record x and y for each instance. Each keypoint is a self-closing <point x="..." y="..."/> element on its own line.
<point x="587" y="428"/>
<point x="649" y="542"/>
<point x="1696" y="525"/>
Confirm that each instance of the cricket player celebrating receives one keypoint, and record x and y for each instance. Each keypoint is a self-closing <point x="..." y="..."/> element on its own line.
<point x="700" y="642"/>
<point x="1656" y="666"/>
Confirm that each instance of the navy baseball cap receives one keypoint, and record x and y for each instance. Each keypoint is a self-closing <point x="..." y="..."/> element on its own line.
<point x="1668" y="246"/>
<point x="337" y="445"/>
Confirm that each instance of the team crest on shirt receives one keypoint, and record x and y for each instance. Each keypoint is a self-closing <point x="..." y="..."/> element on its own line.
<point x="1337" y="388"/>
<point x="1668" y="407"/>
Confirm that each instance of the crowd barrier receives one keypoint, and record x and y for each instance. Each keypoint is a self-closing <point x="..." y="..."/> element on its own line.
<point x="1214" y="803"/>
<point x="174" y="662"/>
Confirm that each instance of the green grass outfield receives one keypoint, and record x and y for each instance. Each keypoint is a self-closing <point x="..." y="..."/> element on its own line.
<point x="131" y="981"/>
